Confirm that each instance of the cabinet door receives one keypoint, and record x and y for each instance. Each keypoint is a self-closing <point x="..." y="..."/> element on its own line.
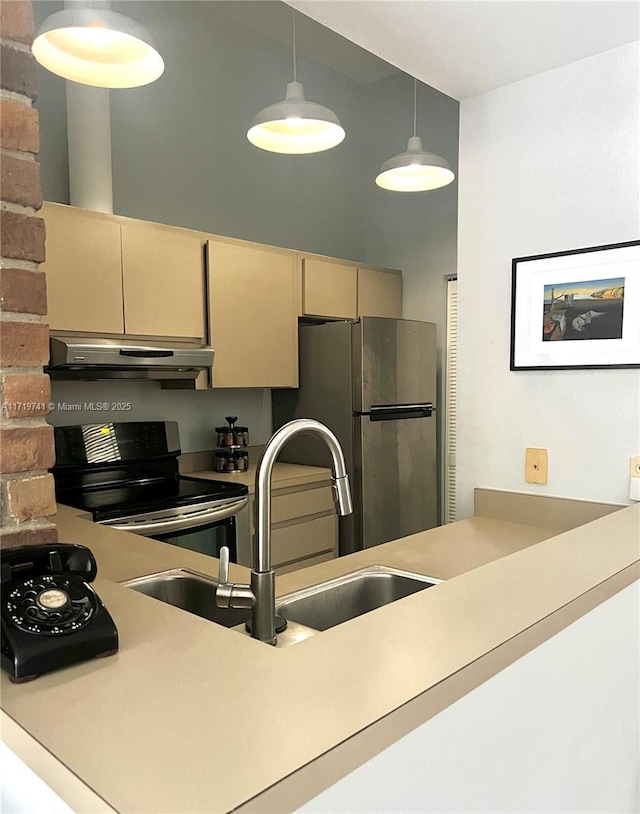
<point x="329" y="289"/>
<point x="379" y="293"/>
<point x="253" y="315"/>
<point x="163" y="280"/>
<point x="84" y="278"/>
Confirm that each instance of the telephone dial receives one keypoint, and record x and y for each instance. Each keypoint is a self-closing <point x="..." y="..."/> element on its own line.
<point x="51" y="616"/>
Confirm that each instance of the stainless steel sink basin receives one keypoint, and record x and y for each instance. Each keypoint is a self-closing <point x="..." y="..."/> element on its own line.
<point x="338" y="600"/>
<point x="307" y="611"/>
<point x="189" y="591"/>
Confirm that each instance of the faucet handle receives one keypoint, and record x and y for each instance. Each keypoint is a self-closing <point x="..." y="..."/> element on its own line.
<point x="229" y="595"/>
<point x="223" y="573"/>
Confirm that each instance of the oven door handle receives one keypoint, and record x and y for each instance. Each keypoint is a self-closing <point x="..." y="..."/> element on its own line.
<point x="188" y="521"/>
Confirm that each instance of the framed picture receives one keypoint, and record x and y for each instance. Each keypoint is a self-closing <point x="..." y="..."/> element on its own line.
<point x="577" y="309"/>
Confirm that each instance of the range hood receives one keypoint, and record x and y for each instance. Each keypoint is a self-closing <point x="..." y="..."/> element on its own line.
<point x="90" y="358"/>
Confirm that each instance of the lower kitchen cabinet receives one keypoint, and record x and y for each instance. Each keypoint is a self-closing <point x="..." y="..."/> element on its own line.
<point x="253" y="314"/>
<point x="304" y="527"/>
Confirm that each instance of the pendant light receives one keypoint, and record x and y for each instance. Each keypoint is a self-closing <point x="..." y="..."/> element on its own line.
<point x="97" y="46"/>
<point x="295" y="125"/>
<point x="415" y="170"/>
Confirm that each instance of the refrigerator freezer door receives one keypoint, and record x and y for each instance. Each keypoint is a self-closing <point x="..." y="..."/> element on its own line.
<point x="325" y="394"/>
<point x="397" y="362"/>
<point x="398" y="478"/>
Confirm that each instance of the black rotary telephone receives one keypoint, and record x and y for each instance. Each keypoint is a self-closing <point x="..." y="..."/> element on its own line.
<point x="51" y="616"/>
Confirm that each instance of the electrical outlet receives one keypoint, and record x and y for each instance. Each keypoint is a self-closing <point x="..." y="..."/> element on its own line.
<point x="634" y="466"/>
<point x="536" y="465"/>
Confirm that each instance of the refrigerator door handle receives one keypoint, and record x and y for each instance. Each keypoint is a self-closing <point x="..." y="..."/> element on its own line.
<point x="394" y="412"/>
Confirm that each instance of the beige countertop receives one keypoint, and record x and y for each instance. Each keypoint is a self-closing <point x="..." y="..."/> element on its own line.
<point x="284" y="476"/>
<point x="193" y="717"/>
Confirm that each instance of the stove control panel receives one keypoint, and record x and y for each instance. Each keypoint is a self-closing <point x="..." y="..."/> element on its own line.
<point x="113" y="443"/>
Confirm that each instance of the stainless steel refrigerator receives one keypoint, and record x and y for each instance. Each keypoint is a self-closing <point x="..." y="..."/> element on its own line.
<point x="373" y="382"/>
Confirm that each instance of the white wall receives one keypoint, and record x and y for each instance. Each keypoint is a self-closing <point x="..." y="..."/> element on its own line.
<point x="557" y="730"/>
<point x="546" y="164"/>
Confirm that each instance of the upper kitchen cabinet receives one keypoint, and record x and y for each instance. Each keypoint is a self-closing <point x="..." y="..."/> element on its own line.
<point x="379" y="293"/>
<point x="84" y="277"/>
<point x="253" y="314"/>
<point x="109" y="274"/>
<point x="329" y="288"/>
<point x="163" y="280"/>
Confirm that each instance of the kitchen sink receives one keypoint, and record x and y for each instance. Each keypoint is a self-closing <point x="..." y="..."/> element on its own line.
<point x="307" y="611"/>
<point x="331" y="603"/>
<point x="191" y="592"/>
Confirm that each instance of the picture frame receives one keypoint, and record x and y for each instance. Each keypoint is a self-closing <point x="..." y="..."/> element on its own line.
<point x="577" y="309"/>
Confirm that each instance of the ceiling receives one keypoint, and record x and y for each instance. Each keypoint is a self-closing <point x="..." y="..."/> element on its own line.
<point x="467" y="47"/>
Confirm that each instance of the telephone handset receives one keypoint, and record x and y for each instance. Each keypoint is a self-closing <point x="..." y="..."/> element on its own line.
<point x="51" y="616"/>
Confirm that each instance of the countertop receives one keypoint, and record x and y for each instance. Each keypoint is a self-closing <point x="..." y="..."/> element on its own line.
<point x="283" y="477"/>
<point x="193" y="717"/>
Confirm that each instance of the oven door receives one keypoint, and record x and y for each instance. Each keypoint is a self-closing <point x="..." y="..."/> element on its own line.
<point x="204" y="527"/>
<point x="207" y="539"/>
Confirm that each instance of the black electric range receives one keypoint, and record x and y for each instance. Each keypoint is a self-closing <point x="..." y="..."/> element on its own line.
<point x="127" y="476"/>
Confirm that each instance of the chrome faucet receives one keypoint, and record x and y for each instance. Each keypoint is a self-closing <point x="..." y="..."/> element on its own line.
<point x="260" y="595"/>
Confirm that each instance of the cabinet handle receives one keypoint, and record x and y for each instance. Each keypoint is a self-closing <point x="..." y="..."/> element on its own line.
<point x="146" y="353"/>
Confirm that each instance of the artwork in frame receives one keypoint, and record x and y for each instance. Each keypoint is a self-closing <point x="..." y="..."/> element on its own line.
<point x="577" y="309"/>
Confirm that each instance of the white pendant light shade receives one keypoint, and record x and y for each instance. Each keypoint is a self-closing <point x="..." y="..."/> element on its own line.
<point x="295" y="125"/>
<point x="415" y="170"/>
<point x="97" y="47"/>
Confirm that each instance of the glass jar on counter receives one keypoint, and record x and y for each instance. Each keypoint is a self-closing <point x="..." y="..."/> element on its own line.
<point x="231" y="435"/>
<point x="231" y="460"/>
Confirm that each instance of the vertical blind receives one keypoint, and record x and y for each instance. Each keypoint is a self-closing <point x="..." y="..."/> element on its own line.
<point x="451" y="382"/>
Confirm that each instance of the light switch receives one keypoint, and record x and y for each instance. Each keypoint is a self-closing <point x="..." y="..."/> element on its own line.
<point x="536" y="465"/>
<point x="634" y="477"/>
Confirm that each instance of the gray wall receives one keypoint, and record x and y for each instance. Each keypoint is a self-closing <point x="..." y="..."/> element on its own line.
<point x="416" y="233"/>
<point x="180" y="154"/>
<point x="197" y="412"/>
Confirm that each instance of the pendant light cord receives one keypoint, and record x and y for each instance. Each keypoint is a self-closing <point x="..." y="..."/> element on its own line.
<point x="293" y="18"/>
<point x="415" y="103"/>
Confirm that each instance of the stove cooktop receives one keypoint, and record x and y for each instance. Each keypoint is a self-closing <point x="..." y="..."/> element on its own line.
<point x="115" y="470"/>
<point x="123" y="499"/>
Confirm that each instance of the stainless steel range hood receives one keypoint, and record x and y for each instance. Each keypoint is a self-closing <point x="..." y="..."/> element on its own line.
<point x="91" y="358"/>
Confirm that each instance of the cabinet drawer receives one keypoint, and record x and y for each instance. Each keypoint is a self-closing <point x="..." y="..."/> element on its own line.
<point x="297" y="505"/>
<point x="301" y="504"/>
<point x="296" y="566"/>
<point x="303" y="540"/>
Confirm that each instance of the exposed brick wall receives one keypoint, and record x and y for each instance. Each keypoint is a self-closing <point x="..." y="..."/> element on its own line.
<point x="26" y="441"/>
